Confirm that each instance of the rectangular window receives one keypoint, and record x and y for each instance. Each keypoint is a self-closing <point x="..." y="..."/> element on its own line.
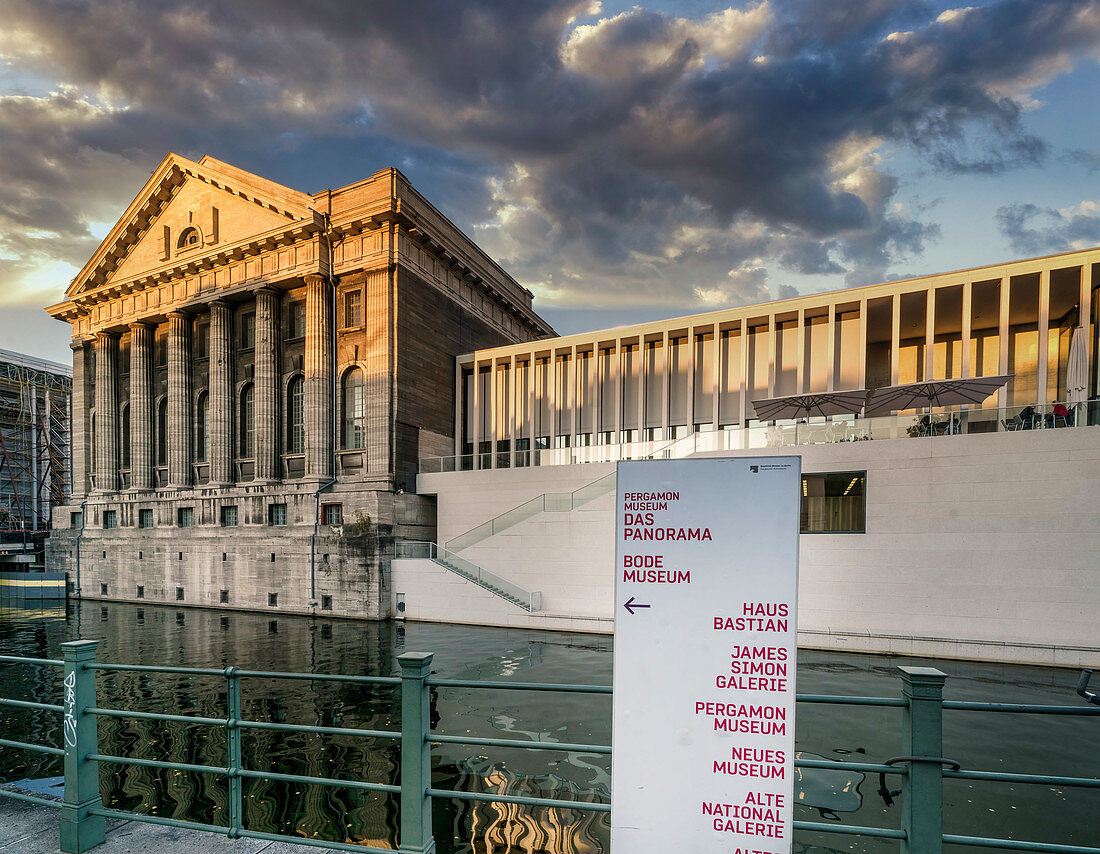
<point x="110" y="518"/>
<point x="185" y="517"/>
<point x="272" y="600"/>
<point x="229" y="516"/>
<point x="248" y="331"/>
<point x="276" y="514"/>
<point x="145" y="518"/>
<point x="179" y="594"/>
<point x="224" y="597"/>
<point x="833" y="503"/>
<point x="326" y="603"/>
<point x="141" y="591"/>
<point x="332" y="514"/>
<point x="160" y="345"/>
<point x="296" y="319"/>
<point x="202" y="341"/>
<point x="76" y="519"/>
<point x="103" y="590"/>
<point x="353" y="309"/>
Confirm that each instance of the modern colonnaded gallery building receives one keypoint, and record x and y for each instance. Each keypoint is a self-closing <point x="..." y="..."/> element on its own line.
<point x="337" y="403"/>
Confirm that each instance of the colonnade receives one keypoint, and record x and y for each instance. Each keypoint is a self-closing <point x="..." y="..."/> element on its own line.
<point x="663" y="380"/>
<point x="180" y="423"/>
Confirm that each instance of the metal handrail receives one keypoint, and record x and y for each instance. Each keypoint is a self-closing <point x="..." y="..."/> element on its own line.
<point x="923" y="717"/>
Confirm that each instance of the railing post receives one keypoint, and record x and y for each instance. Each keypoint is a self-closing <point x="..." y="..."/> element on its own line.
<point x="922" y="803"/>
<point x="233" y="749"/>
<point x="416" y="755"/>
<point x="80" y="831"/>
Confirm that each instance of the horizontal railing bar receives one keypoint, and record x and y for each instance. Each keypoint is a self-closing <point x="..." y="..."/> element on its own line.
<point x="35" y="748"/>
<point x="320" y="677"/>
<point x="225" y="831"/>
<point x="833" y="765"/>
<point x="27" y="704"/>
<point x="1020" y="708"/>
<point x="1042" y="779"/>
<point x="154" y="716"/>
<point x="320" y="781"/>
<point x="524" y="745"/>
<point x="850" y="829"/>
<point x="851" y="701"/>
<point x="1018" y="845"/>
<point x="519" y="686"/>
<point x="584" y="806"/>
<point x="19" y="659"/>
<point x="323" y="730"/>
<point x="30" y="799"/>
<point x="156" y="668"/>
<point x="156" y="763"/>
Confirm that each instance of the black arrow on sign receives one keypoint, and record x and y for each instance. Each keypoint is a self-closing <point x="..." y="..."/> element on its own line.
<point x="630" y="605"/>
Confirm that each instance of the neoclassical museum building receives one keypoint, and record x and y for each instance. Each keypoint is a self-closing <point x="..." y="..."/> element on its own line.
<point x="256" y="374"/>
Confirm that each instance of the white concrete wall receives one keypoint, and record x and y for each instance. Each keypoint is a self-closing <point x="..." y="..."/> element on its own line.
<point x="977" y="546"/>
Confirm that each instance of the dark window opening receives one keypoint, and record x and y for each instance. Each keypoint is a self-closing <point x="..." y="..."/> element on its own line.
<point x="833" y="503"/>
<point x="272" y="600"/>
<point x="224" y="597"/>
<point x="179" y="594"/>
<point x="326" y="603"/>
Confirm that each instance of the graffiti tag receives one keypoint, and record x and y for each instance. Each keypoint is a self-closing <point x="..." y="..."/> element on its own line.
<point x="70" y="709"/>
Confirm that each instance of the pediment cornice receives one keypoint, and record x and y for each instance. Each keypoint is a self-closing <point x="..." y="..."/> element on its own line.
<point x="92" y="283"/>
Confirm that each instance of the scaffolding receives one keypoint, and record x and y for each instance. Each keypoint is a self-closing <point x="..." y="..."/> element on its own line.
<point x="34" y="443"/>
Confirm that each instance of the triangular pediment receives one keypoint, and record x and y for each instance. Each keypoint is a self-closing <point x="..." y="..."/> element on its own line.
<point x="187" y="212"/>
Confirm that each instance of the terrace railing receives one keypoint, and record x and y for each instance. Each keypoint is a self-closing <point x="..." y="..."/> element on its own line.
<point x="920" y="767"/>
<point x="529" y="600"/>
<point x="818" y="431"/>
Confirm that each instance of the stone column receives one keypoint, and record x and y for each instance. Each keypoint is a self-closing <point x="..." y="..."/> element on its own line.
<point x="179" y="399"/>
<point x="106" y="412"/>
<point x="79" y="423"/>
<point x="220" y="424"/>
<point x="267" y="385"/>
<point x="319" y="414"/>
<point x="141" y="406"/>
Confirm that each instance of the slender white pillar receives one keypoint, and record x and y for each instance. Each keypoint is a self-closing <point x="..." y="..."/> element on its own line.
<point x="1043" y="348"/>
<point x="141" y="406"/>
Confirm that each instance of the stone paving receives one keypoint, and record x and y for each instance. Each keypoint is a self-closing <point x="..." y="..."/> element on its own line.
<point x="31" y="829"/>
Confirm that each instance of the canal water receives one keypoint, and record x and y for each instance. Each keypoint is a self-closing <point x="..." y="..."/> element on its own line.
<point x="131" y="634"/>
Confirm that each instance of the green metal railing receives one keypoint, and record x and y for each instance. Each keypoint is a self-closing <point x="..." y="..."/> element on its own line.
<point x="922" y="768"/>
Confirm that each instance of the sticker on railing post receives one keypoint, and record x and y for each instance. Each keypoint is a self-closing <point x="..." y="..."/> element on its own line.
<point x="706" y="587"/>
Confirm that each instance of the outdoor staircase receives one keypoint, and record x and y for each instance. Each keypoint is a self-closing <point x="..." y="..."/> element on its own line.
<point x="548" y="502"/>
<point x="528" y="600"/>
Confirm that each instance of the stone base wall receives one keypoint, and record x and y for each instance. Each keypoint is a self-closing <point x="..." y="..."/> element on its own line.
<point x="252" y="566"/>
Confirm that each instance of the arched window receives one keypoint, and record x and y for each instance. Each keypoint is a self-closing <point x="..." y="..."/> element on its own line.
<point x="353" y="433"/>
<point x="246" y="444"/>
<point x="124" y="421"/>
<point x="202" y="413"/>
<point x="295" y="405"/>
<point x="189" y="237"/>
<point x="162" y="432"/>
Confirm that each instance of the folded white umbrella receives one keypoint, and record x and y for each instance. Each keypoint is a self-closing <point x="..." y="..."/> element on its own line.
<point x="1077" y="371"/>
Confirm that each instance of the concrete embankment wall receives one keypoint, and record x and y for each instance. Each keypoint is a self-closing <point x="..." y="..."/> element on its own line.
<point x="984" y="547"/>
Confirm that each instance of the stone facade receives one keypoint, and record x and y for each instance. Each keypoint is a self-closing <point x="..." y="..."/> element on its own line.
<point x="257" y="374"/>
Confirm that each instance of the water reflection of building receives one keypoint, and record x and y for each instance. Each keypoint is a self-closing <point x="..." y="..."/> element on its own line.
<point x="496" y="826"/>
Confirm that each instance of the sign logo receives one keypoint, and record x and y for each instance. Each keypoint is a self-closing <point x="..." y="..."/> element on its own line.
<point x="754" y="469"/>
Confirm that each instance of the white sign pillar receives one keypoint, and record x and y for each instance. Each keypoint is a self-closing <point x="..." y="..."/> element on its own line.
<point x="706" y="588"/>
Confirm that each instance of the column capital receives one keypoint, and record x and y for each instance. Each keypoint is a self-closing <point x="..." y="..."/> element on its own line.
<point x="268" y="290"/>
<point x="179" y="314"/>
<point x="138" y="325"/>
<point x="219" y="303"/>
<point x="76" y="345"/>
<point x="105" y="335"/>
<point x="314" y="279"/>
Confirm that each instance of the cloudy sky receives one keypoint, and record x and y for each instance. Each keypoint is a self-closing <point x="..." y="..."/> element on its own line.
<point x="623" y="161"/>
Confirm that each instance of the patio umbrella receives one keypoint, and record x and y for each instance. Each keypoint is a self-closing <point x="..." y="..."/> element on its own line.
<point x="814" y="403"/>
<point x="934" y="393"/>
<point x="1077" y="371"/>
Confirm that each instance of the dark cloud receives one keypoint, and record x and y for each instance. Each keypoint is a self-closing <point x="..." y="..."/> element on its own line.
<point x="645" y="157"/>
<point x="1032" y="230"/>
